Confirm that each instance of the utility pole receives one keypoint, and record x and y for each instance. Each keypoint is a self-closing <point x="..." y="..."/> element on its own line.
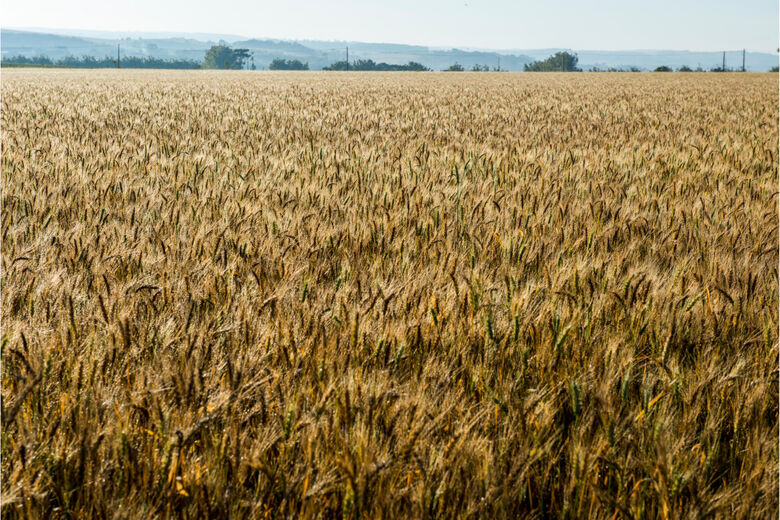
<point x="347" y="57"/>
<point x="743" y="60"/>
<point x="499" y="64"/>
<point x="723" y="68"/>
<point x="117" y="55"/>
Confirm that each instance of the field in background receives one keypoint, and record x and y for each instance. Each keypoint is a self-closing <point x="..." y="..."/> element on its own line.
<point x="363" y="295"/>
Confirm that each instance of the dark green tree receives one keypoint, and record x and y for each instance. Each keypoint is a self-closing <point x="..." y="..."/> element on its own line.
<point x="455" y="67"/>
<point x="364" y="65"/>
<point x="282" y="64"/>
<point x="339" y="65"/>
<point x="223" y="57"/>
<point x="560" y="61"/>
<point x="218" y="57"/>
<point x="240" y="58"/>
<point x="663" y="68"/>
<point x="416" y="67"/>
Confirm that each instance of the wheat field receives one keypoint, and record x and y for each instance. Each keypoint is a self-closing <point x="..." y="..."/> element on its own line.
<point x="389" y="295"/>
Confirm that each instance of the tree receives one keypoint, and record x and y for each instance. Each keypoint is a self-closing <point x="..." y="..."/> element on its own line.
<point x="455" y="67"/>
<point x="223" y="57"/>
<point x="339" y="65"/>
<point x="364" y="65"/>
<point x="218" y="57"/>
<point x="685" y="68"/>
<point x="480" y="68"/>
<point x="560" y="61"/>
<point x="240" y="57"/>
<point x="416" y="67"/>
<point x="663" y="68"/>
<point x="281" y="64"/>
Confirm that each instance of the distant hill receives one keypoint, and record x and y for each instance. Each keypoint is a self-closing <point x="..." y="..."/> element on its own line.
<point x="13" y="43"/>
<point x="57" y="44"/>
<point x="120" y="35"/>
<point x="16" y="43"/>
<point x="317" y="53"/>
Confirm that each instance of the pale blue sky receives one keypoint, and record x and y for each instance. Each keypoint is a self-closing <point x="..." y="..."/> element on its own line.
<point x="505" y="24"/>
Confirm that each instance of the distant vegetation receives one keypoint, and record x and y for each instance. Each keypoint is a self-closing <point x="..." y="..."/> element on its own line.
<point x="615" y="69"/>
<point x="91" y="62"/>
<point x="371" y="65"/>
<point x="319" y="54"/>
<point x="281" y="64"/>
<point x="223" y="57"/>
<point x="560" y="61"/>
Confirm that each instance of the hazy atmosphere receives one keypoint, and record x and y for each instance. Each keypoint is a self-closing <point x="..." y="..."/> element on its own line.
<point x="504" y="24"/>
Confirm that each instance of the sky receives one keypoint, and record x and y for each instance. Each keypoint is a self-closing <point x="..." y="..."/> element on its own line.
<point x="711" y="25"/>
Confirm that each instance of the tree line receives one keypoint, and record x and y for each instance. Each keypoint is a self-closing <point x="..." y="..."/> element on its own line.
<point x="225" y="57"/>
<point x="90" y="62"/>
<point x="371" y="65"/>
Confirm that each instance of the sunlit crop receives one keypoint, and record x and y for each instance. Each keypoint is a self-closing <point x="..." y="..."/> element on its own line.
<point x="389" y="295"/>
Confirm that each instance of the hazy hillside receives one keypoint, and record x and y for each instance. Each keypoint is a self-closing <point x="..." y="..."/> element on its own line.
<point x="322" y="53"/>
<point x="120" y="35"/>
<point x="317" y="53"/>
<point x="15" y="43"/>
<point x="23" y="43"/>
